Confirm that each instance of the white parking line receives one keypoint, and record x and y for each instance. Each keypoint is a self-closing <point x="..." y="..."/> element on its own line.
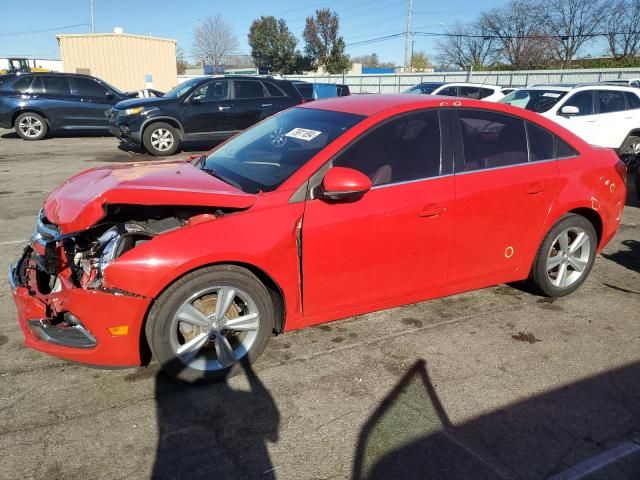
<point x="12" y="242"/>
<point x="598" y="462"/>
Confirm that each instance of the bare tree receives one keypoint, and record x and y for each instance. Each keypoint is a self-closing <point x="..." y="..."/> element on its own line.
<point x="521" y="28"/>
<point x="573" y="24"/>
<point x="466" y="46"/>
<point x="623" y="28"/>
<point x="214" y="40"/>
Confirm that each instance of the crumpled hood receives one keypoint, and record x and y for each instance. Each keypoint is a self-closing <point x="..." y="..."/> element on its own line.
<point x="79" y="202"/>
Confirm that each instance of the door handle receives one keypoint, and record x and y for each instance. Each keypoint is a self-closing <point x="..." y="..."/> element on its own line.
<point x="267" y="104"/>
<point x="86" y="100"/>
<point x="534" y="189"/>
<point x="432" y="210"/>
<point x="223" y="108"/>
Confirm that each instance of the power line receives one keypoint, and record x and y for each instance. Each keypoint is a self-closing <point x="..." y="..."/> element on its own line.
<point x="30" y="32"/>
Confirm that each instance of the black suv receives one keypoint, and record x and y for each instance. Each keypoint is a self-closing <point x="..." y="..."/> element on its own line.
<point x="37" y="103"/>
<point x="204" y="108"/>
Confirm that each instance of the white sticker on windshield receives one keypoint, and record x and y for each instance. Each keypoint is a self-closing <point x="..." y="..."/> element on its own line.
<point x="303" y="134"/>
<point x="551" y="94"/>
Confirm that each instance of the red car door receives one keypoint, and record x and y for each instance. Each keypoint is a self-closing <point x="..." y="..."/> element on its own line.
<point x="392" y="242"/>
<point x="504" y="191"/>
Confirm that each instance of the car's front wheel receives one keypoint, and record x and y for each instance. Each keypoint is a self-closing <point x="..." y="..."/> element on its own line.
<point x="161" y="139"/>
<point x="565" y="256"/>
<point x="208" y="322"/>
<point x="31" y="126"/>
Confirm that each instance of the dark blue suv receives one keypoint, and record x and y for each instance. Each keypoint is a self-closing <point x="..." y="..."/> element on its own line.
<point x="37" y="103"/>
<point x="203" y="108"/>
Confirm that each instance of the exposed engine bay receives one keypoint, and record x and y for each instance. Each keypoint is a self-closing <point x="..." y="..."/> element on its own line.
<point x="88" y="253"/>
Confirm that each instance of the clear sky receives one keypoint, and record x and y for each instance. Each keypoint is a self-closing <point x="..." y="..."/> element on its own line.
<point x="359" y="20"/>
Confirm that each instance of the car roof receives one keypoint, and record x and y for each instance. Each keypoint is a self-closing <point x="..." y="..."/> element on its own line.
<point x="469" y="84"/>
<point x="368" y="105"/>
<point x="568" y="87"/>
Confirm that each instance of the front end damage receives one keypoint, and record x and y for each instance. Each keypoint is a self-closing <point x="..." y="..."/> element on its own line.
<point x="64" y="306"/>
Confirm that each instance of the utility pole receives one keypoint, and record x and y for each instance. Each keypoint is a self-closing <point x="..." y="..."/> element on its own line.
<point x="413" y="42"/>
<point x="407" y="40"/>
<point x="93" y="17"/>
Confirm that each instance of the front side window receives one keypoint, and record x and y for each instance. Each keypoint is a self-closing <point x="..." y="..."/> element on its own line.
<point x="23" y="84"/>
<point x="582" y="100"/>
<point x="248" y="89"/>
<point x="610" y="101"/>
<point x="403" y="149"/>
<point x="183" y="88"/>
<point x="212" y="91"/>
<point x="56" y="85"/>
<point x="449" y="92"/>
<point x="86" y="87"/>
<point x="491" y="139"/>
<point x="264" y="156"/>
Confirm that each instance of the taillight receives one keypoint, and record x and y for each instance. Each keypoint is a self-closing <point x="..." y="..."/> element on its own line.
<point x="621" y="168"/>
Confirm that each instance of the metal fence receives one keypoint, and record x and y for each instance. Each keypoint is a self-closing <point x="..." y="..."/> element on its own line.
<point x="394" y="83"/>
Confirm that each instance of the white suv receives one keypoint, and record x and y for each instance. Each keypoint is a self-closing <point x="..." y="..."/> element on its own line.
<point x="489" y="93"/>
<point x="603" y="115"/>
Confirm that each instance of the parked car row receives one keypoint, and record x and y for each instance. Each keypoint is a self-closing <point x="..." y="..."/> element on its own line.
<point x="205" y="108"/>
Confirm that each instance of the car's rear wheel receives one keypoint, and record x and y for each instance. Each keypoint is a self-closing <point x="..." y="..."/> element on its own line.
<point x="565" y="257"/>
<point x="161" y="139"/>
<point x="208" y="322"/>
<point x="31" y="126"/>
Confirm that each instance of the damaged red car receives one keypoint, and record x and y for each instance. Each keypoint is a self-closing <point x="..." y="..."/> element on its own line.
<point x="324" y="211"/>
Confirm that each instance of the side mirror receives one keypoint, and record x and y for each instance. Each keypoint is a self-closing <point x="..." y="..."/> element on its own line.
<point x="109" y="95"/>
<point x="569" y="110"/>
<point x="342" y="183"/>
<point x="194" y="101"/>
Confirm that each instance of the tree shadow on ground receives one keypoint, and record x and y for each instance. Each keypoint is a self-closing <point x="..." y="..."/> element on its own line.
<point x="214" y="431"/>
<point x="409" y="435"/>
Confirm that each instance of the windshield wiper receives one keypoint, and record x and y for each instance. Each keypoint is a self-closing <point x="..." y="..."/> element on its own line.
<point x="217" y="175"/>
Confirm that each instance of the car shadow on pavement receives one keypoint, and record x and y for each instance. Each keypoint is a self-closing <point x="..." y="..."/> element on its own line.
<point x="214" y="431"/>
<point x="186" y="147"/>
<point x="410" y="436"/>
<point x="70" y="134"/>
<point x="629" y="258"/>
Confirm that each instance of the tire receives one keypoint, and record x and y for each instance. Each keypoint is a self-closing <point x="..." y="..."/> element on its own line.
<point x="550" y="262"/>
<point x="169" y="324"/>
<point x="31" y="126"/>
<point x="630" y="150"/>
<point x="161" y="139"/>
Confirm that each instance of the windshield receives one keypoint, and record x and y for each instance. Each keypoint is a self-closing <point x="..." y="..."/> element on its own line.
<point x="421" y="89"/>
<point x="263" y="157"/>
<point x="538" y="101"/>
<point x="181" y="89"/>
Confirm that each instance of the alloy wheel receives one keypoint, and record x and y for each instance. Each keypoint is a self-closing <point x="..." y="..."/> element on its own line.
<point x="30" y="126"/>
<point x="162" y="139"/>
<point x="568" y="257"/>
<point x="214" y="328"/>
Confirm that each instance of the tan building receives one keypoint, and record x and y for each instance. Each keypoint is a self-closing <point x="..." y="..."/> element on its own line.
<point x="128" y="62"/>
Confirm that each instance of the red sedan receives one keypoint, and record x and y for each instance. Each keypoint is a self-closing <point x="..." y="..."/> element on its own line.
<point x="326" y="210"/>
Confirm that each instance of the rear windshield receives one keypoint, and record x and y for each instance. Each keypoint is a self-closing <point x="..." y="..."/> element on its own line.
<point x="538" y="101"/>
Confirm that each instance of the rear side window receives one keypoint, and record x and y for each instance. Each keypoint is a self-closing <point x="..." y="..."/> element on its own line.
<point x="564" y="150"/>
<point x="582" y="100"/>
<point x="248" y="89"/>
<point x="470" y="92"/>
<point x="273" y="90"/>
<point x="56" y="85"/>
<point x="86" y="87"/>
<point x="633" y="101"/>
<point x="403" y="149"/>
<point x="22" y="84"/>
<point x="485" y="92"/>
<point x="541" y="143"/>
<point x="611" y="101"/>
<point x="491" y="140"/>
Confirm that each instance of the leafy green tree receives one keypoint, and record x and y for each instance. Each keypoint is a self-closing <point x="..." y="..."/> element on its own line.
<point x="322" y="43"/>
<point x="272" y="44"/>
<point x="420" y="62"/>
